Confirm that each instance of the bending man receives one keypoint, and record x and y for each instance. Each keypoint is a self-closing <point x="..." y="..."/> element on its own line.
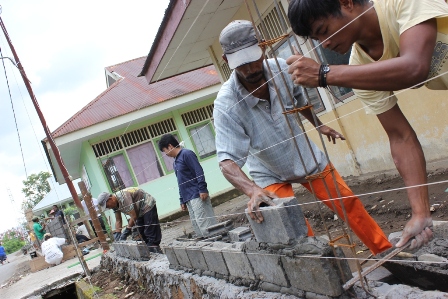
<point x="392" y="43"/>
<point x="141" y="206"/>
<point x="251" y="129"/>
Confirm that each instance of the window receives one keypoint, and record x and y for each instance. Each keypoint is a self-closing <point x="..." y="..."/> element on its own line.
<point x="134" y="158"/>
<point x="204" y="140"/>
<point x="283" y="50"/>
<point x="329" y="57"/>
<point x="117" y="173"/>
<point x="200" y="128"/>
<point x="145" y="162"/>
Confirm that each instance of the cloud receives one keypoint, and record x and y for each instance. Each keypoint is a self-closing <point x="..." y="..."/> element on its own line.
<point x="64" y="47"/>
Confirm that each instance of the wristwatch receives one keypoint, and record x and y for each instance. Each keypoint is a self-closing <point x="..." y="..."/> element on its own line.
<point x="325" y="69"/>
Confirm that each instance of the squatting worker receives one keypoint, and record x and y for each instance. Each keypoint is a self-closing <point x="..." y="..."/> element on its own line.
<point x="141" y="206"/>
<point x="51" y="249"/>
<point x="395" y="44"/>
<point x="251" y="129"/>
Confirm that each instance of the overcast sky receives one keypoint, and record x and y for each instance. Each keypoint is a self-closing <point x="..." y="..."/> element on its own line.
<point x="64" y="47"/>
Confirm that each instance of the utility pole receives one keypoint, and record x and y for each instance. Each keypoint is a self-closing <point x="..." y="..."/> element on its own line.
<point x="54" y="148"/>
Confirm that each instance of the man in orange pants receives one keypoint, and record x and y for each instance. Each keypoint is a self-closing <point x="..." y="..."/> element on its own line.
<point x="251" y="129"/>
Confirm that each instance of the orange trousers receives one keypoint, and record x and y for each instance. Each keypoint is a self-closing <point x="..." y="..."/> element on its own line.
<point x="361" y="223"/>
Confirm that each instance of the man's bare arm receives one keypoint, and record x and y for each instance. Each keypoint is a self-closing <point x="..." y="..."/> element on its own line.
<point x="410" y="68"/>
<point x="331" y="134"/>
<point x="118" y="222"/>
<point x="233" y="173"/>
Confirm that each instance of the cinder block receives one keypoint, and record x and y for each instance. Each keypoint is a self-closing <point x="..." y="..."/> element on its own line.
<point x="214" y="258"/>
<point x="181" y="253"/>
<point x="237" y="261"/>
<point x="267" y="267"/>
<point x="220" y="228"/>
<point x="196" y="257"/>
<point x="171" y="255"/>
<point x="126" y="250"/>
<point x="240" y="234"/>
<point x="313" y="272"/>
<point x="133" y="251"/>
<point x="117" y="248"/>
<point x="143" y="251"/>
<point x="283" y="223"/>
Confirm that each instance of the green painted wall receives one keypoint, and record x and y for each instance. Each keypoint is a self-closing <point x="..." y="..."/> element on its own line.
<point x="165" y="188"/>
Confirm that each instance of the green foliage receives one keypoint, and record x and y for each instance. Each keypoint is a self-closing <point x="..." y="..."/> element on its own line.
<point x="70" y="211"/>
<point x="35" y="187"/>
<point x="12" y="243"/>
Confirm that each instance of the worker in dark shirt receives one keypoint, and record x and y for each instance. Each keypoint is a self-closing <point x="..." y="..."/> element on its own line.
<point x="55" y="212"/>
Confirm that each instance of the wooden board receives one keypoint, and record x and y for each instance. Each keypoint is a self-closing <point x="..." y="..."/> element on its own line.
<point x="38" y="263"/>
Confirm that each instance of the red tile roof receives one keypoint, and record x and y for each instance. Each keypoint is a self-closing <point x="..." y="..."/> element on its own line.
<point x="132" y="93"/>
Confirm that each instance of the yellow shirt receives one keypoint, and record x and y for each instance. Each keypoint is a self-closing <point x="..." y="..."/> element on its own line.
<point x="395" y="17"/>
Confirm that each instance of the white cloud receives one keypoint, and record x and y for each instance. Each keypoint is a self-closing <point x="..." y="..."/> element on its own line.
<point x="64" y="47"/>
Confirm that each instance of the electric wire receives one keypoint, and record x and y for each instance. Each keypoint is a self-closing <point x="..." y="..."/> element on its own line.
<point x="14" y="113"/>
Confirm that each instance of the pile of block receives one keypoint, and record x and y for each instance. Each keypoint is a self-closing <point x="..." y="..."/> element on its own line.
<point x="281" y="259"/>
<point x="57" y="228"/>
<point x="132" y="250"/>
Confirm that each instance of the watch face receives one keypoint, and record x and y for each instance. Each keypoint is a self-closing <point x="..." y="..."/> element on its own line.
<point x="326" y="68"/>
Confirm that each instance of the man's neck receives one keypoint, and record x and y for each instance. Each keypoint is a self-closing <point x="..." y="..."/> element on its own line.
<point x="259" y="90"/>
<point x="370" y="38"/>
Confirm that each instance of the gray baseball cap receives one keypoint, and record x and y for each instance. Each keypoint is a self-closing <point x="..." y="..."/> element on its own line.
<point x="239" y="43"/>
<point x="102" y="199"/>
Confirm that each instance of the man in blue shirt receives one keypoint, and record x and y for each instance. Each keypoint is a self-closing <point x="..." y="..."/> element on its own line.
<point x="193" y="191"/>
<point x="2" y="254"/>
<point x="55" y="212"/>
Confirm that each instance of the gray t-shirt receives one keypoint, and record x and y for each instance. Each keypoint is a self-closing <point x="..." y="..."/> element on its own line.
<point x="254" y="131"/>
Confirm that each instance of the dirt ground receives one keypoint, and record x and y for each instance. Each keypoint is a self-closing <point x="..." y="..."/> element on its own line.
<point x="113" y="286"/>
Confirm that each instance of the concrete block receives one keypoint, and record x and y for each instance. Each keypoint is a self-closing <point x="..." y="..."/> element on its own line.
<point x="283" y="223"/>
<point x="117" y="248"/>
<point x="181" y="253"/>
<point x="220" y="228"/>
<point x="196" y="257"/>
<point x="267" y="267"/>
<point x="214" y="257"/>
<point x="313" y="272"/>
<point x="237" y="261"/>
<point x="133" y="251"/>
<point x="240" y="234"/>
<point x="171" y="255"/>
<point x="125" y="250"/>
<point x="143" y="251"/>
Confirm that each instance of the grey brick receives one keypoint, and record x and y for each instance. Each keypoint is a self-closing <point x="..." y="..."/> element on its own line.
<point x="313" y="272"/>
<point x="220" y="228"/>
<point x="171" y="255"/>
<point x="133" y="250"/>
<point x="237" y="262"/>
<point x="181" y="253"/>
<point x="196" y="257"/>
<point x="267" y="267"/>
<point x="240" y="234"/>
<point x="214" y="257"/>
<point x="283" y="223"/>
<point x="143" y="251"/>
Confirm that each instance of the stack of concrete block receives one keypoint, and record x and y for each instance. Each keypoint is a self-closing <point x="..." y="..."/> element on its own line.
<point x="282" y="259"/>
<point x="131" y="250"/>
<point x="56" y="228"/>
<point x="309" y="265"/>
<point x="283" y="223"/>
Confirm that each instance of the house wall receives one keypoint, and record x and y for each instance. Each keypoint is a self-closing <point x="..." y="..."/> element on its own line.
<point x="165" y="188"/>
<point x="367" y="147"/>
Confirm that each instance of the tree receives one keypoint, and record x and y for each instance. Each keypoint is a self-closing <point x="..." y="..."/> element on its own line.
<point x="35" y="188"/>
<point x="12" y="240"/>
